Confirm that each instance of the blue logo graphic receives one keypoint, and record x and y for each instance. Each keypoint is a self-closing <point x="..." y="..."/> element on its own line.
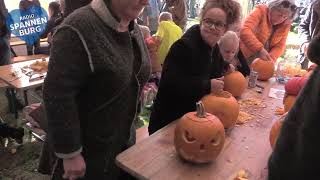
<point x="28" y="24"/>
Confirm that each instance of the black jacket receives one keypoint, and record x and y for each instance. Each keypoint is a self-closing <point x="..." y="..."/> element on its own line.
<point x="53" y="22"/>
<point x="296" y="154"/>
<point x="187" y="71"/>
<point x="310" y="24"/>
<point x="244" y="67"/>
<point x="25" y="4"/>
<point x="309" y="28"/>
<point x="3" y="15"/>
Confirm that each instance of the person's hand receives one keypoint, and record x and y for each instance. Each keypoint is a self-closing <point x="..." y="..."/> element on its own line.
<point x="217" y="85"/>
<point x="264" y="55"/>
<point x="74" y="167"/>
<point x="231" y="69"/>
<point x="153" y="43"/>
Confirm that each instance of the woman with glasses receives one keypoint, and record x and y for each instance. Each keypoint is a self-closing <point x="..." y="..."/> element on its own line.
<point x="194" y="66"/>
<point x="265" y="30"/>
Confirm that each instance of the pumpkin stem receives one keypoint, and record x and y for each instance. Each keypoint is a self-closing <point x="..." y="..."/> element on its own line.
<point x="200" y="110"/>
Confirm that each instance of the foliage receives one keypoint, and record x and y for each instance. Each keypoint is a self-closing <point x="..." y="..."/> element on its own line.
<point x="144" y="116"/>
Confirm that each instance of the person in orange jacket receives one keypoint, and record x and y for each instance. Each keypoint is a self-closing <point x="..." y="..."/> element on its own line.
<point x="265" y="30"/>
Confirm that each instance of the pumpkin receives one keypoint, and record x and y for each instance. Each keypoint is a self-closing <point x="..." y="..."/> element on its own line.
<point x="235" y="83"/>
<point x="289" y="102"/>
<point x="265" y="69"/>
<point x="275" y="130"/>
<point x="224" y="106"/>
<point x="199" y="136"/>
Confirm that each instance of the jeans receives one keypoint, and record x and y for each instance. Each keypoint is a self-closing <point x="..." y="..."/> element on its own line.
<point x="32" y="48"/>
<point x="5" y="54"/>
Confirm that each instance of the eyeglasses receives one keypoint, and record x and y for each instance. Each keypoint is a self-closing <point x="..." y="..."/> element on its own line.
<point x="209" y="23"/>
<point x="287" y="4"/>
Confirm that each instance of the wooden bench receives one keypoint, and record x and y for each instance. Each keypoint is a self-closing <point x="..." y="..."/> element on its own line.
<point x="27" y="58"/>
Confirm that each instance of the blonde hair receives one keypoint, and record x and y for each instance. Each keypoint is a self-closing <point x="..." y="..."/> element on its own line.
<point x="165" y="16"/>
<point x="229" y="35"/>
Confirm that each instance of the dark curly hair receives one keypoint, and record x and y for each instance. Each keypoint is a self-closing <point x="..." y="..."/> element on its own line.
<point x="55" y="7"/>
<point x="313" y="49"/>
<point x="230" y="7"/>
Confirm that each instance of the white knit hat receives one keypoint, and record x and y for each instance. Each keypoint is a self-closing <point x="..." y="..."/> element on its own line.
<point x="276" y="3"/>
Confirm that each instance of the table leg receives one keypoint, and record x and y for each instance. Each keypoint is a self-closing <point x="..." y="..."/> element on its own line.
<point x="12" y="98"/>
<point x="13" y="52"/>
<point x="25" y="96"/>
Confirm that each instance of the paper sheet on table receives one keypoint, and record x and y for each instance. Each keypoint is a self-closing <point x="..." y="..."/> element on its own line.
<point x="276" y="93"/>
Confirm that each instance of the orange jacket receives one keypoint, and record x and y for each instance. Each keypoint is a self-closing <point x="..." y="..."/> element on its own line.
<point x="256" y="31"/>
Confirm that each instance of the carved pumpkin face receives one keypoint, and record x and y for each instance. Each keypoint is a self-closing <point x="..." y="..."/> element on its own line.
<point x="224" y="106"/>
<point x="289" y="102"/>
<point x="275" y="130"/>
<point x="265" y="69"/>
<point x="235" y="83"/>
<point x="199" y="139"/>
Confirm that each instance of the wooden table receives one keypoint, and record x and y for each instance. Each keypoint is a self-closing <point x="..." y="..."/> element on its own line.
<point x="20" y="82"/>
<point x="246" y="148"/>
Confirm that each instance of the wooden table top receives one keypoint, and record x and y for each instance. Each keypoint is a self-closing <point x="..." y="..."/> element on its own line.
<point x="29" y="57"/>
<point x="20" y="82"/>
<point x="246" y="148"/>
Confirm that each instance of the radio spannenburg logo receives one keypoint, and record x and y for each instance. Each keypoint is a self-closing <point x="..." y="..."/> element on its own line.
<point x="28" y="24"/>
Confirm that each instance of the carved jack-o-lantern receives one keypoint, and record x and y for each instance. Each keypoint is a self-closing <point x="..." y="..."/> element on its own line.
<point x="224" y="106"/>
<point x="235" y="83"/>
<point x="275" y="130"/>
<point x="265" y="69"/>
<point x="199" y="136"/>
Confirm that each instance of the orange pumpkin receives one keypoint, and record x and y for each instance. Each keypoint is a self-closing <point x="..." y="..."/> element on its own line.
<point x="224" y="106"/>
<point x="235" y="83"/>
<point x="289" y="102"/>
<point x="199" y="136"/>
<point x="275" y="130"/>
<point x="265" y="69"/>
